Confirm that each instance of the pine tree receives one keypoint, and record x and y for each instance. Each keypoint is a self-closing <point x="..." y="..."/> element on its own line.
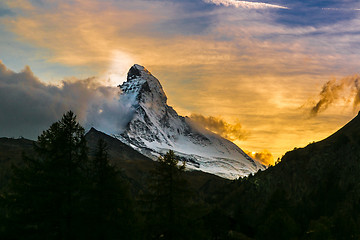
<point x="110" y="210"/>
<point x="168" y="200"/>
<point x="44" y="199"/>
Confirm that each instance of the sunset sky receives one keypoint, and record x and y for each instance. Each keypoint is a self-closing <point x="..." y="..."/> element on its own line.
<point x="284" y="73"/>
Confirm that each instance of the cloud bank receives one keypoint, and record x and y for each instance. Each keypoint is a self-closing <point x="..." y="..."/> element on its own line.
<point x="29" y="106"/>
<point x="219" y="126"/>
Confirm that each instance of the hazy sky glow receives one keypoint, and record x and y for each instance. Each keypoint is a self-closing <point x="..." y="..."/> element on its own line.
<point x="258" y="63"/>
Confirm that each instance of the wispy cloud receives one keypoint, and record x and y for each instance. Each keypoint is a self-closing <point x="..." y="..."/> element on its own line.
<point x="346" y="89"/>
<point x="221" y="127"/>
<point x="341" y="9"/>
<point x="245" y="4"/>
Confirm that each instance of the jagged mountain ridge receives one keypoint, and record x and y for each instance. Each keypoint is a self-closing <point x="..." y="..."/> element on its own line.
<point x="156" y="128"/>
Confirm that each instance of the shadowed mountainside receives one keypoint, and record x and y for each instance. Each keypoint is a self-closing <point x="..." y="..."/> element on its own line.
<point x="313" y="191"/>
<point x="11" y="151"/>
<point x="134" y="166"/>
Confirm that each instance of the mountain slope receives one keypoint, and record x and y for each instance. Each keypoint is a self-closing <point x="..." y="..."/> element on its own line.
<point x="314" y="191"/>
<point x="137" y="167"/>
<point x="156" y="128"/>
<point x="134" y="166"/>
<point x="11" y="151"/>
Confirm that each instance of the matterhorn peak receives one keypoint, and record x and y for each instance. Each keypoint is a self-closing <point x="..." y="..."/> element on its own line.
<point x="144" y="85"/>
<point x="137" y="71"/>
<point x="156" y="128"/>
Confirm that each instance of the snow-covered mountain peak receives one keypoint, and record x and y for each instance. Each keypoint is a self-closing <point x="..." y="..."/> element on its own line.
<point x="144" y="86"/>
<point x="156" y="128"/>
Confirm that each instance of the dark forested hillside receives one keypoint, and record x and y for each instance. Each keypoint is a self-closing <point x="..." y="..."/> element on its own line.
<point x="11" y="152"/>
<point x="313" y="193"/>
<point x="68" y="185"/>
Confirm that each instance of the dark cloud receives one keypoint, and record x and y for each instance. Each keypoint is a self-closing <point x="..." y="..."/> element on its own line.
<point x="221" y="127"/>
<point x="29" y="106"/>
<point x="347" y="89"/>
<point x="329" y="93"/>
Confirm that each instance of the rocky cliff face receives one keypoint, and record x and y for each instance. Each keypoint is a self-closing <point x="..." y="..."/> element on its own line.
<point x="156" y="128"/>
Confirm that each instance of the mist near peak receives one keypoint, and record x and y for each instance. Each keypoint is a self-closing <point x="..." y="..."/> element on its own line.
<point x="230" y="131"/>
<point x="29" y="106"/>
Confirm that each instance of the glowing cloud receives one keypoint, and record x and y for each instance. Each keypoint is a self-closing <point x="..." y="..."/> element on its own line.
<point x="221" y="127"/>
<point x="245" y="4"/>
<point x="120" y="64"/>
<point x="347" y="89"/>
<point x="265" y="157"/>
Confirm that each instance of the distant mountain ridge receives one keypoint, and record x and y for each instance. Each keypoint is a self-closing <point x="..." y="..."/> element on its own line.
<point x="156" y="128"/>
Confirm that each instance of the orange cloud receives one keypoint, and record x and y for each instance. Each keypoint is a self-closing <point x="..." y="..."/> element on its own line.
<point x="83" y="33"/>
<point x="78" y="33"/>
<point x="221" y="127"/>
<point x="265" y="157"/>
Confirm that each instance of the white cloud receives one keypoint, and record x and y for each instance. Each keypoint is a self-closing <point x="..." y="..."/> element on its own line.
<point x="245" y="4"/>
